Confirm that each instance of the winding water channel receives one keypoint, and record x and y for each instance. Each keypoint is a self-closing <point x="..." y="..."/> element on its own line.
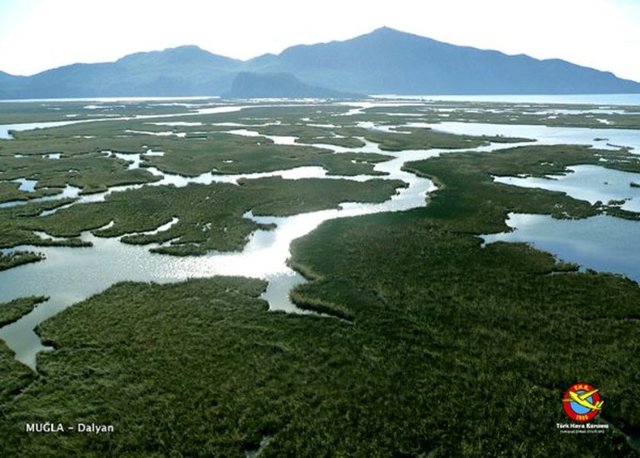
<point x="69" y="275"/>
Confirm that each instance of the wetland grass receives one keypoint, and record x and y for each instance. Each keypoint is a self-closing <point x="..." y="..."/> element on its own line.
<point x="448" y="347"/>
<point x="14" y="310"/>
<point x="7" y="261"/>
<point x="210" y="216"/>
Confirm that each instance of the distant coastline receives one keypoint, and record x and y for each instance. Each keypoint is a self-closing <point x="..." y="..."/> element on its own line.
<point x="578" y="99"/>
<point x="630" y="99"/>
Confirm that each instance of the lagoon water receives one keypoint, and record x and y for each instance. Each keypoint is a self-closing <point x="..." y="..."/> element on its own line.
<point x="5" y="129"/>
<point x="588" y="182"/>
<point x="548" y="135"/>
<point x="601" y="242"/>
<point x="69" y="275"/>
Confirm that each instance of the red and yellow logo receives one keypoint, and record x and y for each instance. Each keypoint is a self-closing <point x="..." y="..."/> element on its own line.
<point x="582" y="402"/>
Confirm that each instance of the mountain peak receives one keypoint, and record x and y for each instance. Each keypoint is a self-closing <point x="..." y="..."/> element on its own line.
<point x="389" y="37"/>
<point x="390" y="32"/>
<point x="186" y="48"/>
<point x="385" y="30"/>
<point x="181" y="55"/>
<point x="390" y="61"/>
<point x="192" y="50"/>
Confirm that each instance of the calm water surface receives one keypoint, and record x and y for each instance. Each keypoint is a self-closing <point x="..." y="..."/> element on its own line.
<point x="588" y="182"/>
<point x="581" y="99"/>
<point x="601" y="242"/>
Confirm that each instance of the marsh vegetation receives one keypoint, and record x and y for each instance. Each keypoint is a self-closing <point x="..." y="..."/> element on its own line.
<point x="7" y="261"/>
<point x="443" y="346"/>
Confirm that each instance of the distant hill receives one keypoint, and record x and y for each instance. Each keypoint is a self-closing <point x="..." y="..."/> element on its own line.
<point x="7" y="85"/>
<point x="183" y="71"/>
<point x="383" y="61"/>
<point x="247" y="85"/>
<point x="390" y="61"/>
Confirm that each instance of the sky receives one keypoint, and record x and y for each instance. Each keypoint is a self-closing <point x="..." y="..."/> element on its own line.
<point x="36" y="35"/>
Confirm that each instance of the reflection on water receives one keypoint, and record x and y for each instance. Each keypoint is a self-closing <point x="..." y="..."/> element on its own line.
<point x="68" y="192"/>
<point x="5" y="129"/>
<point x="26" y="185"/>
<point x="277" y="139"/>
<point x="587" y="182"/>
<point x="600" y="242"/>
<point x="589" y="99"/>
<point x="548" y="135"/>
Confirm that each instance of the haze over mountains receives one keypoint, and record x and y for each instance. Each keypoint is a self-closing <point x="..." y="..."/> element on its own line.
<point x="248" y="85"/>
<point x="385" y="61"/>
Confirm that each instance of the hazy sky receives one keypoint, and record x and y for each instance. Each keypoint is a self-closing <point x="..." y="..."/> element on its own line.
<point x="41" y="34"/>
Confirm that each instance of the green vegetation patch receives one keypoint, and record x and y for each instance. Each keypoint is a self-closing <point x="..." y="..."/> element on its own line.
<point x="93" y="172"/>
<point x="14" y="310"/>
<point x="198" y="368"/>
<point x="210" y="216"/>
<point x="482" y="334"/>
<point x="469" y="200"/>
<point x="7" y="261"/>
<point x="14" y="377"/>
<point x="594" y="120"/>
<point x="83" y="164"/>
<point x="311" y="133"/>
<point x="231" y="154"/>
<point x="14" y="231"/>
<point x="552" y="115"/>
<point x="31" y="112"/>
<point x="201" y="368"/>
<point x="9" y="192"/>
<point x="405" y="138"/>
<point x="468" y="338"/>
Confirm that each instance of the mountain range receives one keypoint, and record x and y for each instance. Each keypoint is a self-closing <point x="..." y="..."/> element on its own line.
<point x="385" y="61"/>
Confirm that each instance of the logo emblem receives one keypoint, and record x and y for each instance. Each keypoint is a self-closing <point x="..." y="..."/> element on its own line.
<point x="582" y="402"/>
